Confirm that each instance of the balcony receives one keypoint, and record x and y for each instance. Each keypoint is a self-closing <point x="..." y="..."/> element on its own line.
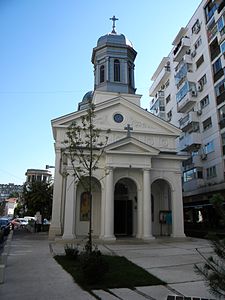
<point x="193" y="184"/>
<point x="189" y="122"/>
<point x="181" y="49"/>
<point x="221" y="98"/>
<point x="186" y="102"/>
<point x="160" y="76"/>
<point x="190" y="142"/>
<point x="222" y="123"/>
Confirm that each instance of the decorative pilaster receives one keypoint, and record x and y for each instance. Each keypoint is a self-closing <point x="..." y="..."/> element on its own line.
<point x="109" y="207"/>
<point x="70" y="206"/>
<point x="147" y="213"/>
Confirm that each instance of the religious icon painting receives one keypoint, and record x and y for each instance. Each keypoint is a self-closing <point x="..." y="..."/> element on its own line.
<point x="85" y="207"/>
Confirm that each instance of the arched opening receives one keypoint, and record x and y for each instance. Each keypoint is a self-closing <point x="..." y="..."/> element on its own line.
<point x="161" y="208"/>
<point x="125" y="207"/>
<point x="116" y="70"/>
<point x="102" y="73"/>
<point x="83" y="209"/>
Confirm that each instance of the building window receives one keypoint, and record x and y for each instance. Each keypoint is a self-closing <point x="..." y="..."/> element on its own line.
<point x="116" y="70"/>
<point x="207" y="124"/>
<point x="196" y="27"/>
<point x="210" y="8"/>
<point x="222" y="47"/>
<point x="217" y="66"/>
<point x="202" y="81"/>
<point x="167" y="83"/>
<point x="211" y="172"/>
<point x="220" y="23"/>
<point x="199" y="61"/>
<point x="223" y="142"/>
<point x="214" y="49"/>
<point x="204" y="102"/>
<point x="192" y="174"/>
<point x="220" y="88"/>
<point x="209" y="147"/>
<point x="169" y="115"/>
<point x="168" y="98"/>
<point x="221" y="113"/>
<point x="187" y="87"/>
<point x="198" y="43"/>
<point x="102" y="73"/>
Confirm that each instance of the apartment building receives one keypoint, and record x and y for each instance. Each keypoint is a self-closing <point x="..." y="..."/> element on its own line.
<point x="188" y="90"/>
<point x="33" y="175"/>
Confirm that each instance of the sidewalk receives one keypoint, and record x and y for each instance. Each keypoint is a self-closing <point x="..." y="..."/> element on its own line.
<point x="32" y="273"/>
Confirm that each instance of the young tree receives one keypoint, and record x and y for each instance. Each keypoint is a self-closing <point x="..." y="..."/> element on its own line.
<point x="85" y="146"/>
<point x="37" y="196"/>
<point x="213" y="270"/>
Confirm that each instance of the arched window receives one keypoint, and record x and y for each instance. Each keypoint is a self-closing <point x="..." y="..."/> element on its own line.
<point x="116" y="70"/>
<point x="102" y="73"/>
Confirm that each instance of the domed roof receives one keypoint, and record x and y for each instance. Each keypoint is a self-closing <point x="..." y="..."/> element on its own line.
<point x="85" y="101"/>
<point x="114" y="38"/>
<point x="88" y="96"/>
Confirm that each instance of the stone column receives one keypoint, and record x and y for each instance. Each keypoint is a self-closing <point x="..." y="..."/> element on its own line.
<point x="103" y="197"/>
<point x="55" y="227"/>
<point x="177" y="207"/>
<point x="70" y="206"/>
<point x="139" y="214"/>
<point x="109" y="206"/>
<point x="147" y="213"/>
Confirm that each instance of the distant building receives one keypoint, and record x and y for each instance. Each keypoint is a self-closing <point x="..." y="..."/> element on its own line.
<point x="33" y="175"/>
<point x="188" y="91"/>
<point x="10" y="205"/>
<point x="7" y="189"/>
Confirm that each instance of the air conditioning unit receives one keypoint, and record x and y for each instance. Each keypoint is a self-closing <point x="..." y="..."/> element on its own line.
<point x="193" y="53"/>
<point x="203" y="156"/>
<point x="200" y="87"/>
<point x="193" y="93"/>
<point x="199" y="112"/>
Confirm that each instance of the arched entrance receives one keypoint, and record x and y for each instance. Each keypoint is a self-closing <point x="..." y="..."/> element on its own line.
<point x="161" y="208"/>
<point x="125" y="207"/>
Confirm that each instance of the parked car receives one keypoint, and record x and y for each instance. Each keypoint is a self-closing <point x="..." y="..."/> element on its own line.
<point x="23" y="222"/>
<point x="5" y="225"/>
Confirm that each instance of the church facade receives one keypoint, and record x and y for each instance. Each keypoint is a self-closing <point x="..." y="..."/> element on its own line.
<point x="137" y="187"/>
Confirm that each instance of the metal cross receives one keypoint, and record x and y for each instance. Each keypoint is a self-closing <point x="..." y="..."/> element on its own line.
<point x="114" y="19"/>
<point x="128" y="128"/>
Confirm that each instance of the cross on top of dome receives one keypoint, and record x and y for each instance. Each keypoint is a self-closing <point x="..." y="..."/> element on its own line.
<point x="114" y="19"/>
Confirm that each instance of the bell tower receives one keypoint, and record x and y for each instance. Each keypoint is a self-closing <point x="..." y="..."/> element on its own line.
<point x="113" y="60"/>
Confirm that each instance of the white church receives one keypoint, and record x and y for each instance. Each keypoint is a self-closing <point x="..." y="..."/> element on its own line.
<point x="141" y="195"/>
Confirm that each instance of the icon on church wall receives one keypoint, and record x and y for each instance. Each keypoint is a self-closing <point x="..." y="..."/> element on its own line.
<point x="85" y="207"/>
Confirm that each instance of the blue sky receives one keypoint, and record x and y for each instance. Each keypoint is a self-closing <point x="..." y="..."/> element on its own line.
<point x="45" y="64"/>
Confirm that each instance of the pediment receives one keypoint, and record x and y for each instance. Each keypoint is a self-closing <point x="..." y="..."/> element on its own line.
<point x="131" y="145"/>
<point x="146" y="127"/>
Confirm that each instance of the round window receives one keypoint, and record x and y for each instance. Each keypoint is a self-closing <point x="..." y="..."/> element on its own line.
<point x="118" y="118"/>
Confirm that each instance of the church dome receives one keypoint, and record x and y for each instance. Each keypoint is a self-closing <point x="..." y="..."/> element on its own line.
<point x="85" y="101"/>
<point x="88" y="96"/>
<point x="114" y="38"/>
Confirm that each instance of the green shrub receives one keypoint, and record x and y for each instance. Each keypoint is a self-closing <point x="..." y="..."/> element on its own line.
<point x="71" y="250"/>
